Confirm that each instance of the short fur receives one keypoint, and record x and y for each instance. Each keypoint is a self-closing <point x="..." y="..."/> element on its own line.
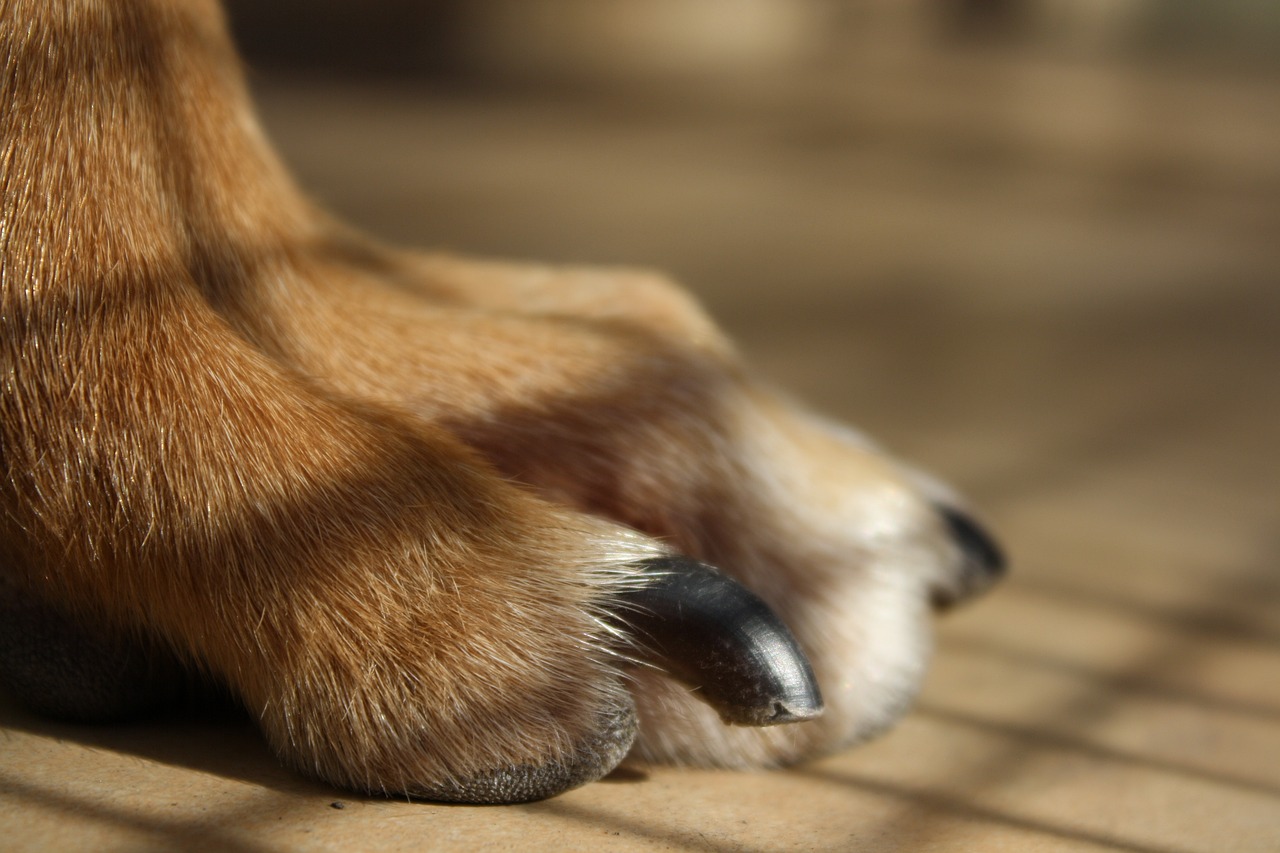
<point x="386" y="497"/>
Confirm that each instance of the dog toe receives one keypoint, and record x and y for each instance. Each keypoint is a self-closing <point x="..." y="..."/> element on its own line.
<point x="521" y="783"/>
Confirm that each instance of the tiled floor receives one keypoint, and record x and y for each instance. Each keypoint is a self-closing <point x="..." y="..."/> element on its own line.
<point x="1090" y="348"/>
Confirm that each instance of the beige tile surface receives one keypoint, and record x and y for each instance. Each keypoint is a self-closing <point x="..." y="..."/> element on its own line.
<point x="1094" y="359"/>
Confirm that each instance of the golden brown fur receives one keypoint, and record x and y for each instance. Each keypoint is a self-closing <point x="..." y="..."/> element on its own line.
<point x="234" y="428"/>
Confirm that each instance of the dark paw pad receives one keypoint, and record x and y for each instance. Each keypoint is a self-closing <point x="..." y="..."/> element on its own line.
<point x="69" y="669"/>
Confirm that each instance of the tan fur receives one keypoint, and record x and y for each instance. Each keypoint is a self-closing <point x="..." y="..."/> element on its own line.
<point x="292" y="454"/>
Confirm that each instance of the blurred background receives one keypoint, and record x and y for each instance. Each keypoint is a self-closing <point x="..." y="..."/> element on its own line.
<point x="1033" y="245"/>
<point x="953" y="221"/>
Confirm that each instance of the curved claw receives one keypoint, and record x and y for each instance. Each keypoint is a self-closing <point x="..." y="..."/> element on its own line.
<point x="983" y="562"/>
<point x="710" y="632"/>
<point x="979" y="546"/>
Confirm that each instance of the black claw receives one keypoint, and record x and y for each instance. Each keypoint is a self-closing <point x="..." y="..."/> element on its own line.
<point x="979" y="546"/>
<point x="710" y="632"/>
<point x="983" y="564"/>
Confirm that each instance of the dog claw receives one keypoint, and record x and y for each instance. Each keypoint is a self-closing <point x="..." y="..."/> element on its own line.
<point x="979" y="546"/>
<point x="710" y="632"/>
<point x="983" y="564"/>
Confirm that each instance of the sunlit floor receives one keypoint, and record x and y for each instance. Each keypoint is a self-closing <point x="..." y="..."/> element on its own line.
<point x="1089" y="350"/>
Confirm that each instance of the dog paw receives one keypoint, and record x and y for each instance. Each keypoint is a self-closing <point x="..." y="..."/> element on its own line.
<point x="480" y="672"/>
<point x="854" y="551"/>
<point x="663" y="430"/>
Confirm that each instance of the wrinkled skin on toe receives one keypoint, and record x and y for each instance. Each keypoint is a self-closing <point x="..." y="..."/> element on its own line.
<point x="522" y="783"/>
